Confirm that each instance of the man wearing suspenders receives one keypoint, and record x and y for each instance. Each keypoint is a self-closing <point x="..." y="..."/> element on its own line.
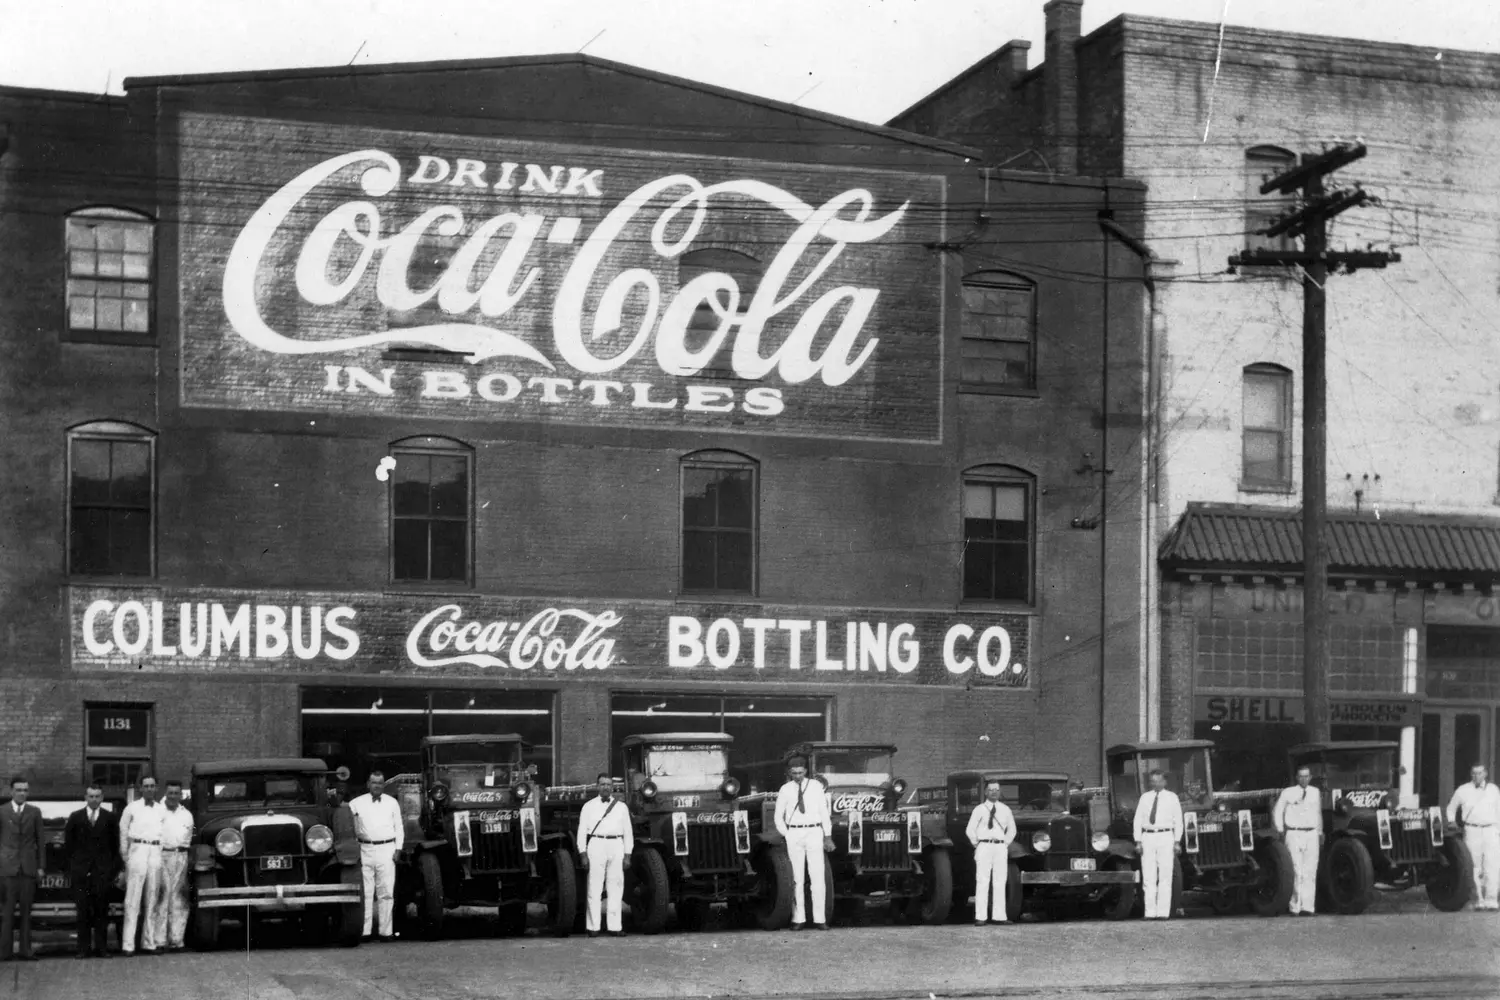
<point x="605" y="840"/>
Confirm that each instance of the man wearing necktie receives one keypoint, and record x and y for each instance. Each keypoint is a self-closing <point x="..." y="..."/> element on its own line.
<point x="991" y="828"/>
<point x="605" y="839"/>
<point x="1158" y="828"/>
<point x="379" y="826"/>
<point x="802" y="818"/>
<point x="1298" y="817"/>
<point x="21" y="864"/>
<point x="91" y="845"/>
<point x="1476" y="803"/>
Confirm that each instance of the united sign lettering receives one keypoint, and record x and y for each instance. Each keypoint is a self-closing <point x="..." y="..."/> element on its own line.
<point x="555" y="283"/>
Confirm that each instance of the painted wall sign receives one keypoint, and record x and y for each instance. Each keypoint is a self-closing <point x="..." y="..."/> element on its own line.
<point x="1269" y="708"/>
<point x="307" y="632"/>
<point x="557" y="276"/>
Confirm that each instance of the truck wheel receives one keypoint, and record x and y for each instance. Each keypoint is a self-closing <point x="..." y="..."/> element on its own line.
<point x="1348" y="876"/>
<point x="349" y="921"/>
<point x="1450" y="877"/>
<point x="932" y="906"/>
<point x="773" y="907"/>
<point x="205" y="921"/>
<point x="1015" y="898"/>
<point x="652" y="890"/>
<point x="429" y="895"/>
<point x="1272" y="892"/>
<point x="562" y="893"/>
<point x="1118" y="899"/>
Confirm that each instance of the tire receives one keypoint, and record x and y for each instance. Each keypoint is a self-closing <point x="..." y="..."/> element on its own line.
<point x="1015" y="898"/>
<point x="772" y="909"/>
<point x="1348" y="877"/>
<point x="1272" y="893"/>
<point x="349" y="920"/>
<point x="205" y="921"/>
<point x="562" y="894"/>
<point x="652" y="890"/>
<point x="429" y="895"/>
<point x="1118" y="901"/>
<point x="1450" y="879"/>
<point x="936" y="900"/>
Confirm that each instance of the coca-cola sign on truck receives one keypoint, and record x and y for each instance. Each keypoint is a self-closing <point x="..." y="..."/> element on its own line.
<point x="565" y="284"/>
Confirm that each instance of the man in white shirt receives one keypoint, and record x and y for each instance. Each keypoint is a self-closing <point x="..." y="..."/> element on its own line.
<point x="991" y="828"/>
<point x="140" y="846"/>
<point x="605" y="840"/>
<point x="1158" y="828"/>
<point x="802" y="818"/>
<point x="1298" y="818"/>
<point x="1477" y="805"/>
<point x="176" y="846"/>
<point x="377" y="823"/>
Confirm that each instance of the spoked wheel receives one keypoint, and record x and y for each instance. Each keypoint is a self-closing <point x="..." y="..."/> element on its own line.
<point x="562" y="893"/>
<point x="1450" y="878"/>
<point x="1272" y="892"/>
<point x="1348" y="876"/>
<point x="1118" y="899"/>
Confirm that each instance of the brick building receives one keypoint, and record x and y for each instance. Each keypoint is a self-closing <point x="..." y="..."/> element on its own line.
<point x="1412" y="374"/>
<point x="554" y="396"/>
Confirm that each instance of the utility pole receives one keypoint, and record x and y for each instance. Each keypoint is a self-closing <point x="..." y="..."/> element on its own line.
<point x="1310" y="221"/>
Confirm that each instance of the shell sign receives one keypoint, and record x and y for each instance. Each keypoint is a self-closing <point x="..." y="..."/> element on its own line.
<point x="338" y="269"/>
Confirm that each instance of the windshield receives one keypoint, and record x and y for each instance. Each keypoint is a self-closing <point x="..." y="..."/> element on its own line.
<point x="1186" y="770"/>
<point x="1035" y="795"/>
<point x="687" y="768"/>
<point x="264" y="789"/>
<point x="476" y="754"/>
<point x="853" y="767"/>
<point x="1354" y="769"/>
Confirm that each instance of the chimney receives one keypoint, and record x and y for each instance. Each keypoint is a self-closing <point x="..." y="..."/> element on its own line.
<point x="1060" y="83"/>
<point x="1011" y="59"/>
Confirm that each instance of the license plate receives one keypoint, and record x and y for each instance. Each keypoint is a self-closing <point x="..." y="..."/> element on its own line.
<point x="55" y="882"/>
<point x="1209" y="827"/>
<point x="498" y="826"/>
<point x="1083" y="864"/>
<point x="1413" y="824"/>
<point x="275" y="862"/>
<point x="887" y="836"/>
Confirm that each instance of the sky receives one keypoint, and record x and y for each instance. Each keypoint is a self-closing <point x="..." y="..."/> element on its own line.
<point x="865" y="59"/>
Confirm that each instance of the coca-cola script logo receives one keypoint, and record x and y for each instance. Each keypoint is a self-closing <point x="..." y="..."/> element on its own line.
<point x="534" y="643"/>
<point x="323" y="278"/>
<point x="1366" y="798"/>
<point x="860" y="801"/>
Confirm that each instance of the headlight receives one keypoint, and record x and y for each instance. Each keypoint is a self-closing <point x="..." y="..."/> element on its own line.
<point x="438" y="792"/>
<point x="731" y="787"/>
<point x="648" y="791"/>
<point x="522" y="791"/>
<point x="1101" y="842"/>
<point x="1040" y="841"/>
<point x="229" y="842"/>
<point x="900" y="786"/>
<point x="319" y="839"/>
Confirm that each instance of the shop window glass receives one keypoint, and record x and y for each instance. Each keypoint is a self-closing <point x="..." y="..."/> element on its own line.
<point x="111" y="485"/>
<point x="430" y="510"/>
<point x="719" y="518"/>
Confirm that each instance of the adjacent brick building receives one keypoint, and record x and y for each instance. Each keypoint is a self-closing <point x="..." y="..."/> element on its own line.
<point x="1203" y="117"/>
<point x="344" y="406"/>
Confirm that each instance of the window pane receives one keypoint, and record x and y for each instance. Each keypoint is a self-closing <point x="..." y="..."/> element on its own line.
<point x="138" y="239"/>
<point x="450" y="486"/>
<point x="450" y="550"/>
<point x="1010" y="503"/>
<point x="81" y="313"/>
<point x="111" y="265"/>
<point x="410" y="481"/>
<point x="109" y="236"/>
<point x="410" y="550"/>
<point x="107" y="315"/>
<point x="88" y="546"/>
<point x="90" y="471"/>
<point x="1265" y="401"/>
<point x="80" y="236"/>
<point x="1012" y="572"/>
<point x="734" y="570"/>
<point x="979" y="501"/>
<point x="697" y="560"/>
<point x="130" y="542"/>
<point x="996" y="362"/>
<point x="698" y="498"/>
<point x="82" y="263"/>
<point x="978" y="571"/>
<point x="1263" y="457"/>
<point x="136" y="265"/>
<point x="736" y="500"/>
<point x="130" y="473"/>
<point x="137" y="316"/>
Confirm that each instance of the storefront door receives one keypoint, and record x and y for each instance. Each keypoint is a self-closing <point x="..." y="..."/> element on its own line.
<point x="1453" y="740"/>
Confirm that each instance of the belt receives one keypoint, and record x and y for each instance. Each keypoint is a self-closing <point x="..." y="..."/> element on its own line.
<point x="1479" y="826"/>
<point x="805" y="826"/>
<point x="1164" y="829"/>
<point x="174" y="848"/>
<point x="607" y="836"/>
<point x="377" y="842"/>
<point x="1302" y="829"/>
<point x="986" y="840"/>
<point x="153" y="843"/>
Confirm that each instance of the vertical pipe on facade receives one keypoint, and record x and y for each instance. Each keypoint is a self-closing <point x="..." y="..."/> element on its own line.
<point x="1104" y="492"/>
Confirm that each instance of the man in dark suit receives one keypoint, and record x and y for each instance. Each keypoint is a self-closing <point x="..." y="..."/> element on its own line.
<point x="91" y="843"/>
<point x="21" y="863"/>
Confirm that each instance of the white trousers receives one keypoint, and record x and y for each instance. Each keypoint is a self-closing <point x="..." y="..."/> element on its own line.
<point x="142" y="892"/>
<point x="1484" y="845"/>
<point x="991" y="872"/>
<point x="377" y="865"/>
<point x="606" y="879"/>
<point x="805" y="847"/>
<point x="171" y="916"/>
<point x="1157" y="857"/>
<point x="1303" y="845"/>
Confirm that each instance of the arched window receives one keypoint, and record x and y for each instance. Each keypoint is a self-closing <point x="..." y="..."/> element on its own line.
<point x="431" y="503"/>
<point x="111" y="499"/>
<point x="1261" y="164"/>
<point x="720" y="497"/>
<point x="1267" y="427"/>
<point x="746" y="272"/>
<point x="999" y="332"/>
<point x="999" y="525"/>
<point x="109" y="274"/>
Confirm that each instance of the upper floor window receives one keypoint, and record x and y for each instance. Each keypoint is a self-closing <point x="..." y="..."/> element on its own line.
<point x="999" y="534"/>
<point x="431" y="506"/>
<point x="111" y="477"/>
<point x="999" y="332"/>
<point x="719" y="523"/>
<point x="109" y="273"/>
<point x="711" y="314"/>
<point x="1261" y="164"/>
<point x="1267" y="453"/>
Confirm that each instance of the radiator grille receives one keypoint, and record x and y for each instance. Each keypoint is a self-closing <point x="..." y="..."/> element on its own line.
<point x="1068" y="836"/>
<point x="497" y="852"/>
<point x="711" y="848"/>
<point x="272" y="838"/>
<point x="888" y="855"/>
<point x="1221" y="848"/>
<point x="1408" y="846"/>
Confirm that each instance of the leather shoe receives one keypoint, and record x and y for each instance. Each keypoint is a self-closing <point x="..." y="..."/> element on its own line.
<point x="593" y="934"/>
<point x="821" y="927"/>
<point x="616" y="933"/>
<point x="797" y="927"/>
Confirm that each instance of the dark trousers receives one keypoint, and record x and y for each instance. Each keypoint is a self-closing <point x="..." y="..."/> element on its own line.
<point x="16" y="890"/>
<point x="91" y="897"/>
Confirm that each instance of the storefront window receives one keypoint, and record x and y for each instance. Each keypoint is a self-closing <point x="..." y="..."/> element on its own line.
<point x="1250" y="755"/>
<point x="118" y="744"/>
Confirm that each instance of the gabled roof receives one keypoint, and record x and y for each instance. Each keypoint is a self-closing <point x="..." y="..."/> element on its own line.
<point x="1232" y="537"/>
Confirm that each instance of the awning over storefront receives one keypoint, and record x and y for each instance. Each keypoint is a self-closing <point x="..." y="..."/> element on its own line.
<point x="1425" y="548"/>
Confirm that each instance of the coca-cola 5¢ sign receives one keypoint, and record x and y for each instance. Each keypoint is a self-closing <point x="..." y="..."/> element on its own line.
<point x="340" y="269"/>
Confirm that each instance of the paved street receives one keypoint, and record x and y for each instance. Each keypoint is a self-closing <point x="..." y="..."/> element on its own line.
<point x="1388" y="953"/>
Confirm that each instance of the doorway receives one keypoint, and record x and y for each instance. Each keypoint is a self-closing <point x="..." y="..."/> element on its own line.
<point x="1453" y="740"/>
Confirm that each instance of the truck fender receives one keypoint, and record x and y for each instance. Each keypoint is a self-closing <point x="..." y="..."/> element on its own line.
<point x="772" y="837"/>
<point x="1122" y="849"/>
<point x="937" y="840"/>
<point x="203" y="858"/>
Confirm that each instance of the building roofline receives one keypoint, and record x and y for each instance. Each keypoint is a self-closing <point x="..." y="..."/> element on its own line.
<point x="962" y="76"/>
<point x="47" y="94"/>
<point x="571" y="58"/>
